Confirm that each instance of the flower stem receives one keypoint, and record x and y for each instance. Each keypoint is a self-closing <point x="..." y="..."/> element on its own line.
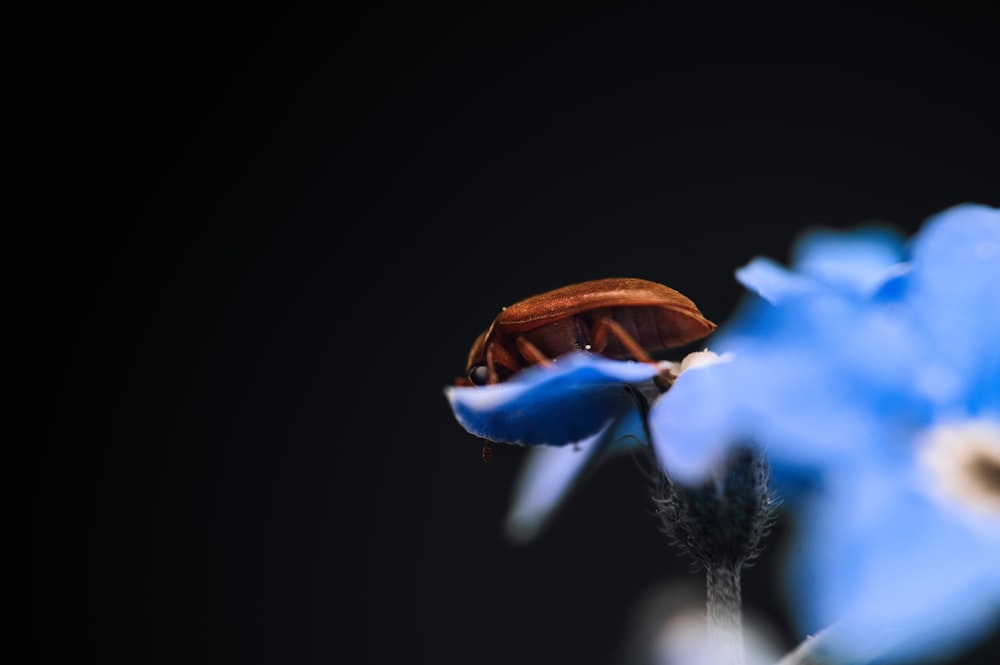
<point x="720" y="523"/>
<point x="723" y="608"/>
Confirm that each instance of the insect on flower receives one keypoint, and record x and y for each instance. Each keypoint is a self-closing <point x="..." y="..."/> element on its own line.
<point x="618" y="318"/>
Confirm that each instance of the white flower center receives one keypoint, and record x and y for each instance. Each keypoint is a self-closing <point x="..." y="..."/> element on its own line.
<point x="692" y="361"/>
<point x="962" y="462"/>
<point x="702" y="359"/>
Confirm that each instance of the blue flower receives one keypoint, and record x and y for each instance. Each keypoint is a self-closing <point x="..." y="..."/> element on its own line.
<point x="871" y="377"/>
<point x="574" y="413"/>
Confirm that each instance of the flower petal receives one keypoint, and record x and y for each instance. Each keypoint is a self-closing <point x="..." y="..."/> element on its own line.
<point x="563" y="403"/>
<point x="956" y="292"/>
<point x="693" y="424"/>
<point x="851" y="262"/>
<point x="551" y="472"/>
<point x="899" y="577"/>
<point x="773" y="398"/>
<point x="773" y="282"/>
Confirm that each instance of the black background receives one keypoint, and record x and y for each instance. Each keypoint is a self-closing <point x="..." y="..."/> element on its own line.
<point x="260" y="242"/>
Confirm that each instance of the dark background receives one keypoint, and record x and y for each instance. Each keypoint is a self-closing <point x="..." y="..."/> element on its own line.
<point x="259" y="243"/>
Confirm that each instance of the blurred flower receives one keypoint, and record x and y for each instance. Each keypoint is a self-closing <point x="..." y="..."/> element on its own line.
<point x="871" y="375"/>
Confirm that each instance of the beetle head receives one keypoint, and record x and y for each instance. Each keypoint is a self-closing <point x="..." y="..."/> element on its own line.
<point x="488" y="357"/>
<point x="476" y="372"/>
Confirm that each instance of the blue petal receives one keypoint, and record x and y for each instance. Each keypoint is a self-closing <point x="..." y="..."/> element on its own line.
<point x="694" y="423"/>
<point x="791" y="402"/>
<point x="850" y="262"/>
<point x="551" y="472"/>
<point x="895" y="284"/>
<point x="854" y="264"/>
<point x="774" y="282"/>
<point x="955" y="293"/>
<point x="898" y="577"/>
<point x="555" y="405"/>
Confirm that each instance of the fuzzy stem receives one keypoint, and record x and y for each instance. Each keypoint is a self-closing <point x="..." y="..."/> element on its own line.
<point x="720" y="523"/>
<point x="724" y="611"/>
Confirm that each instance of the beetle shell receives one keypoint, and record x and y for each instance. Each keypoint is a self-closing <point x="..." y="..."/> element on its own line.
<point x="557" y="322"/>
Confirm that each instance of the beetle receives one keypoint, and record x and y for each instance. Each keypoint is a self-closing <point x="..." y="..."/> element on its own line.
<point x="617" y="317"/>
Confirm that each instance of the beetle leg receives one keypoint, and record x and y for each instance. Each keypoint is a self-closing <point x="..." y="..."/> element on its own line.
<point x="531" y="353"/>
<point x="492" y="376"/>
<point x="605" y="326"/>
<point x="497" y="355"/>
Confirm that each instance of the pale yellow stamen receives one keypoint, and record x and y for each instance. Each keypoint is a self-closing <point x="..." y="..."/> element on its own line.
<point x="701" y="359"/>
<point x="962" y="462"/>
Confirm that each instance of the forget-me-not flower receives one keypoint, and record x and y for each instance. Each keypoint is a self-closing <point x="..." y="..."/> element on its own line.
<point x="871" y="377"/>
<point x="574" y="413"/>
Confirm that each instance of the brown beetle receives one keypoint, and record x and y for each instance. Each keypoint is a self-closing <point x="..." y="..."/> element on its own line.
<point x="618" y="318"/>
